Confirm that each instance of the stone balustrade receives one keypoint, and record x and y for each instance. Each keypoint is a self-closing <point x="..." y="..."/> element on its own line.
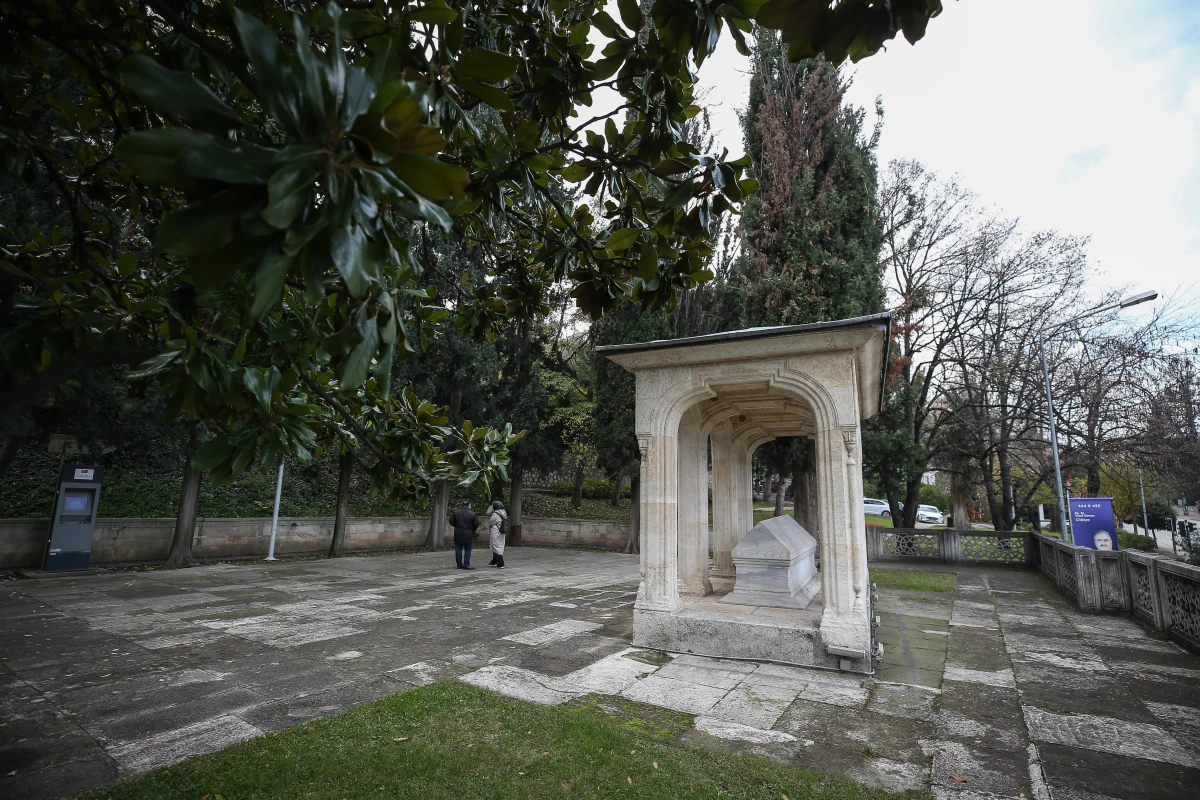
<point x="949" y="546"/>
<point x="1156" y="589"/>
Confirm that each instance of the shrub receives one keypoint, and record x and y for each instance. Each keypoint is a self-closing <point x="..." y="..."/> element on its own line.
<point x="933" y="496"/>
<point x="1135" y="541"/>
<point x="593" y="489"/>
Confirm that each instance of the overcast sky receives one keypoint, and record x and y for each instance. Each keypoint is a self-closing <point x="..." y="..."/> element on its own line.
<point x="1077" y="115"/>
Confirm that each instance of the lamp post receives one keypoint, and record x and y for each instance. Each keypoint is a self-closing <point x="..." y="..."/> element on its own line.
<point x="1133" y="300"/>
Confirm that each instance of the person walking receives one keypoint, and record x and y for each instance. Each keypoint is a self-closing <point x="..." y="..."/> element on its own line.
<point x="497" y="529"/>
<point x="465" y="524"/>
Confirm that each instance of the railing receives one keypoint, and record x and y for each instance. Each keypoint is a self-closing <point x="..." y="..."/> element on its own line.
<point x="1158" y="590"/>
<point x="949" y="546"/>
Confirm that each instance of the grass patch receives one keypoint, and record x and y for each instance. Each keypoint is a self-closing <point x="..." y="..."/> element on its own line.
<point x="915" y="580"/>
<point x="883" y="522"/>
<point x="451" y="740"/>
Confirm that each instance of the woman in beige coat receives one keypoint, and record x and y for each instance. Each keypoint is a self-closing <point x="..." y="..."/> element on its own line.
<point x="497" y="522"/>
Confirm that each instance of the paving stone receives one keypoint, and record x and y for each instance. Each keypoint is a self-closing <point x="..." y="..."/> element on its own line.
<point x="553" y="632"/>
<point x="1074" y="772"/>
<point x="1107" y="735"/>
<point x="717" y="673"/>
<point x="957" y="767"/>
<point x="170" y="746"/>
<point x="902" y="700"/>
<point x="724" y="728"/>
<point x="1072" y="692"/>
<point x="63" y="779"/>
<point x="678" y="695"/>
<point x="1182" y="721"/>
<point x="1001" y="677"/>
<point x="755" y="705"/>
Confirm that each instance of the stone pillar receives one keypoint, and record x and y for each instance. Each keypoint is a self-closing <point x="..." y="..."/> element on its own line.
<point x="845" y="623"/>
<point x="743" y="487"/>
<point x="659" y="590"/>
<point x="725" y="499"/>
<point x="693" y="505"/>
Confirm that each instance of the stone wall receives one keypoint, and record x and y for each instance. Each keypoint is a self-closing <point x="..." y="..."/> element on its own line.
<point x="134" y="540"/>
<point x="1158" y="590"/>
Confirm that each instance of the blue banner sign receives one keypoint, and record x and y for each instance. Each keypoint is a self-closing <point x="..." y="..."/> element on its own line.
<point x="1093" y="523"/>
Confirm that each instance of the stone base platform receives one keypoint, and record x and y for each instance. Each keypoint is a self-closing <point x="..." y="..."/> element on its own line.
<point x="706" y="626"/>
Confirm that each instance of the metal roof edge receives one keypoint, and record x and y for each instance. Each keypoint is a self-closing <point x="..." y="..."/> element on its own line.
<point x="749" y="334"/>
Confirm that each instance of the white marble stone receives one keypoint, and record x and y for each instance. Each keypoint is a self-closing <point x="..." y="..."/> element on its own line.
<point x="740" y="390"/>
<point x="554" y="632"/>
<point x="726" y="729"/>
<point x="690" y="698"/>
<point x="774" y="566"/>
<point x="756" y="705"/>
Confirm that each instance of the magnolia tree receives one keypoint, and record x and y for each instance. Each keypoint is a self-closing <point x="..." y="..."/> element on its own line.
<point x="282" y="157"/>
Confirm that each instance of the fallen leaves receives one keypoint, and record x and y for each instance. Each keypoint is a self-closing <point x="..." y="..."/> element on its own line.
<point x="959" y="778"/>
<point x="656" y="765"/>
<point x="400" y="739"/>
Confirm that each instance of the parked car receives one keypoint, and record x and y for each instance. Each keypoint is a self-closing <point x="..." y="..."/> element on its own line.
<point x="930" y="515"/>
<point x="876" y="508"/>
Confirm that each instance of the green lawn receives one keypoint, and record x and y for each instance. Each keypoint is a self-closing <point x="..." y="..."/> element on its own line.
<point x="451" y="740"/>
<point x="913" y="579"/>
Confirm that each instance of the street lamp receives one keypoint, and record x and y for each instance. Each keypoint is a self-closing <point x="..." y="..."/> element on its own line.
<point x="1132" y="300"/>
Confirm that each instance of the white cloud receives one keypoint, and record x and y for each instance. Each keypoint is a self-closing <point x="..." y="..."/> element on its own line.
<point x="1072" y="114"/>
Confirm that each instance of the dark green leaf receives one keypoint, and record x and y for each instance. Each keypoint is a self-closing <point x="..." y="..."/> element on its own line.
<point x="269" y="280"/>
<point x="623" y="238"/>
<point x="348" y="249"/>
<point x="211" y="453"/>
<point x="178" y="94"/>
<point x="153" y="155"/>
<point x="648" y="263"/>
<point x="262" y="383"/>
<point x="631" y="15"/>
<point x="430" y="177"/>
<point x="679" y="195"/>
<point x="493" y="96"/>
<point x="290" y="188"/>
<point x="486" y="65"/>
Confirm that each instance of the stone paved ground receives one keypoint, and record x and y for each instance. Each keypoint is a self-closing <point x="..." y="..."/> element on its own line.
<point x="997" y="690"/>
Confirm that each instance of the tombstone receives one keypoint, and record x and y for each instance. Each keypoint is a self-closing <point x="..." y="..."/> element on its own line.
<point x="775" y="566"/>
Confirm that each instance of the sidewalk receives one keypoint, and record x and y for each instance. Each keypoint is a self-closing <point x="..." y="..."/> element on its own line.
<point x="999" y="689"/>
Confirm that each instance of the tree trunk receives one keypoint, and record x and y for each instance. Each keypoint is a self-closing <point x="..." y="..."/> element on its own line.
<point x="912" y="500"/>
<point x="438" y="512"/>
<point x="635" y="515"/>
<point x="577" y="495"/>
<point x="1035" y="521"/>
<point x="345" y="473"/>
<point x="766" y="492"/>
<point x="516" y="496"/>
<point x="189" y="505"/>
<point x="804" y="500"/>
<point x="779" y="496"/>
<point x="618" y="482"/>
<point x="894" y="508"/>
<point x="958" y="502"/>
<point x="8" y="451"/>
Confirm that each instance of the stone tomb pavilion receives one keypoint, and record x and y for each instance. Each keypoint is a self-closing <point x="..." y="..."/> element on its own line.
<point x="733" y="392"/>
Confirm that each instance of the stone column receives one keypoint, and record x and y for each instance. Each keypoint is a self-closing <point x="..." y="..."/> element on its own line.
<point x="845" y="620"/>
<point x="659" y="590"/>
<point x="743" y="487"/>
<point x="693" y="505"/>
<point x="725" y="499"/>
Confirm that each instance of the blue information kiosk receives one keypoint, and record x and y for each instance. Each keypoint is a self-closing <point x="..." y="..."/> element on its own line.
<point x="75" y="505"/>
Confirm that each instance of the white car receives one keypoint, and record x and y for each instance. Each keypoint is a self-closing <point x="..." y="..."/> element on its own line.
<point x="876" y="508"/>
<point x="930" y="515"/>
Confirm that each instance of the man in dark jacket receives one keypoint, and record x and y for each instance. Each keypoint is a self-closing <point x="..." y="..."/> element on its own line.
<point x="465" y="523"/>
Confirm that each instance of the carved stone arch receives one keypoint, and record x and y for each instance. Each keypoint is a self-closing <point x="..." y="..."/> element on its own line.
<point x="808" y="390"/>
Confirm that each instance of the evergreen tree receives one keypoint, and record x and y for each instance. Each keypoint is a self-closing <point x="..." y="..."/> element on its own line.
<point x="811" y="233"/>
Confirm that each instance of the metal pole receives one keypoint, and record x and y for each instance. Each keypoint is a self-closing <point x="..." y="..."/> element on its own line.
<point x="1145" y="518"/>
<point x="1062" y="502"/>
<point x="275" y="516"/>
